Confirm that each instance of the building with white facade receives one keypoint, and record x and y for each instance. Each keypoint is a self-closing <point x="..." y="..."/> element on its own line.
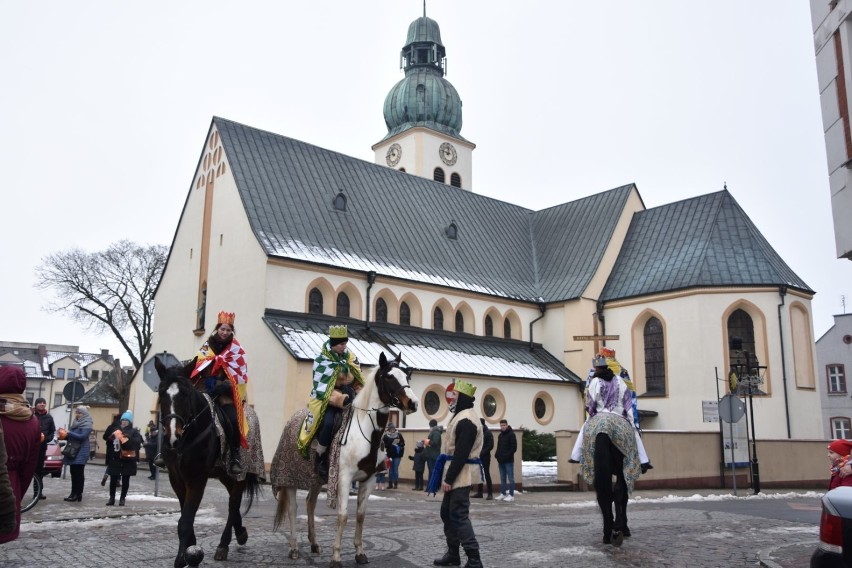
<point x="834" y="358"/>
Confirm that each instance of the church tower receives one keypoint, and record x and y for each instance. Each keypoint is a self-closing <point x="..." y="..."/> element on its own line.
<point x="423" y="113"/>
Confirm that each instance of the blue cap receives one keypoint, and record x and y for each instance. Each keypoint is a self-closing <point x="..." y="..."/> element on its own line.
<point x="127" y="416"/>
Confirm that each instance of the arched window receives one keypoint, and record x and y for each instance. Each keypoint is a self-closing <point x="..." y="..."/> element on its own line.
<point x="438" y="319"/>
<point x="655" y="358"/>
<point x="404" y="314"/>
<point x="455" y="180"/>
<point x="315" y="301"/>
<point x="438" y="175"/>
<point x="507" y="328"/>
<point x="459" y="322"/>
<point x="489" y="326"/>
<point x="342" y="305"/>
<point x="381" y="310"/>
<point x="741" y="325"/>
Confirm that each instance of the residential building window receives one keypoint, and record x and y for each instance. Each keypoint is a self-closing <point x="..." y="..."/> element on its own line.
<point x="841" y="428"/>
<point x="315" y="301"/>
<point x="438" y="319"/>
<point x="57" y="399"/>
<point x="95" y="375"/>
<point x="489" y="326"/>
<point x="655" y="358"/>
<point x="836" y="378"/>
<point x="381" y="310"/>
<point x="507" y="329"/>
<point x="459" y="322"/>
<point x="72" y="374"/>
<point x="404" y="314"/>
<point x="60" y="373"/>
<point x="342" y="305"/>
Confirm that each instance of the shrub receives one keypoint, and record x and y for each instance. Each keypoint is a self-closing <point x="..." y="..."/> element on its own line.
<point x="538" y="447"/>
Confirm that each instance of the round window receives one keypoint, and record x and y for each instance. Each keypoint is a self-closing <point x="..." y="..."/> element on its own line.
<point x="431" y="403"/>
<point x="847" y="339"/>
<point x="540" y="408"/>
<point x="489" y="405"/>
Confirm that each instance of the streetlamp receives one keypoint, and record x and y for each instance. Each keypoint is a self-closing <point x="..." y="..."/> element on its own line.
<point x="749" y="375"/>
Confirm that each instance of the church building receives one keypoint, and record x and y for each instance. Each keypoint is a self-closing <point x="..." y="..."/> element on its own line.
<point x="294" y="238"/>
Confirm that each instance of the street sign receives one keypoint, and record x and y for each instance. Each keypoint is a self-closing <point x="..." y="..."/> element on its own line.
<point x="149" y="372"/>
<point x="731" y="408"/>
<point x="596" y="337"/>
<point x="73" y="391"/>
<point x="710" y="410"/>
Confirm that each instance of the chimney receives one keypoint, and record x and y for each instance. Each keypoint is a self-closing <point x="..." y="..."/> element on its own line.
<point x="104" y="352"/>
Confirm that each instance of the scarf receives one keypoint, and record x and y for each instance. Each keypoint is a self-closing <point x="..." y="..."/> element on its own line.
<point x="85" y="420"/>
<point x="328" y="367"/>
<point x="230" y="359"/>
<point x="15" y="407"/>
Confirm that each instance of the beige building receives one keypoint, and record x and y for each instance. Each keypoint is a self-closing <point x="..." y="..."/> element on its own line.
<point x="293" y="237"/>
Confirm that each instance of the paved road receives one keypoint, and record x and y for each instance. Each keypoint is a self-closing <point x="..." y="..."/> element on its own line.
<point x="403" y="530"/>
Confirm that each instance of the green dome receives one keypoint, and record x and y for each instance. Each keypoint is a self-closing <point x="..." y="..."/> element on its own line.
<point x="424" y="97"/>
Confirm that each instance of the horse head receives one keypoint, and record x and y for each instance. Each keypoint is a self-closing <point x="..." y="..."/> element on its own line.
<point x="175" y="410"/>
<point x="393" y="387"/>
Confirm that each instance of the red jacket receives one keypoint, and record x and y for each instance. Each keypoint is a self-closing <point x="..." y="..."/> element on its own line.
<point x="837" y="481"/>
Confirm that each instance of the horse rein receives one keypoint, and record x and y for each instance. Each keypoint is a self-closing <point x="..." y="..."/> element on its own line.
<point x="394" y="403"/>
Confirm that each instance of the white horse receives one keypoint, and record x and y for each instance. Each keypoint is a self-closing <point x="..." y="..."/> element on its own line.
<point x="360" y="457"/>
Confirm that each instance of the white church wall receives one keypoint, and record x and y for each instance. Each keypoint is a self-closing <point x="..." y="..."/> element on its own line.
<point x="696" y="347"/>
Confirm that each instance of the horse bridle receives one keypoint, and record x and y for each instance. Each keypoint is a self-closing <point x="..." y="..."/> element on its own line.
<point x="394" y="401"/>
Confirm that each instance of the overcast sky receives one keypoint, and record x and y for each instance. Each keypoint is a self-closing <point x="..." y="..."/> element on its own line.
<point x="105" y="107"/>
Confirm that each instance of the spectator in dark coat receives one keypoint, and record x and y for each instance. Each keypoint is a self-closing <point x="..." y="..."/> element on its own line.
<point x="109" y="451"/>
<point x="507" y="445"/>
<point x="151" y="441"/>
<point x="485" y="456"/>
<point x="22" y="437"/>
<point x="433" y="445"/>
<point x="419" y="465"/>
<point x="48" y="430"/>
<point x="395" y="448"/>
<point x="78" y="434"/>
<point x="125" y="439"/>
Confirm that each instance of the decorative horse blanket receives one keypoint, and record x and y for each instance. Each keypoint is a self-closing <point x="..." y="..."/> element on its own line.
<point x="251" y="458"/>
<point x="621" y="432"/>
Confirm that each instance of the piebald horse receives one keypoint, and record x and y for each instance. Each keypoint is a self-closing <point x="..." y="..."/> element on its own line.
<point x="192" y="454"/>
<point x="360" y="456"/>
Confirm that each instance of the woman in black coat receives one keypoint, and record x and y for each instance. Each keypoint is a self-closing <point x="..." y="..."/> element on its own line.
<point x="125" y="438"/>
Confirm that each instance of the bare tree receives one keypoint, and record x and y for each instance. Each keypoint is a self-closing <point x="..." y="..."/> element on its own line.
<point x="110" y="290"/>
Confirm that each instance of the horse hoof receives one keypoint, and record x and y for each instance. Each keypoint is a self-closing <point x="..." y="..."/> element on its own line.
<point x="335" y="564"/>
<point x="221" y="553"/>
<point x="361" y="559"/>
<point x="626" y="532"/>
<point x="607" y="539"/>
<point x="315" y="549"/>
<point x="242" y="536"/>
<point x="294" y="554"/>
<point x="617" y="538"/>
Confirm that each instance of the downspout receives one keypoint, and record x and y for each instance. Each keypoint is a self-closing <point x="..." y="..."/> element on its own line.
<point x="371" y="279"/>
<point x="599" y="306"/>
<point x="542" y="308"/>
<point x="782" y="291"/>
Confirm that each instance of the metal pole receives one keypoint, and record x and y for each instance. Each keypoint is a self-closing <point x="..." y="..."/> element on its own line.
<point x="755" y="468"/>
<point x="721" y="435"/>
<point x="733" y="458"/>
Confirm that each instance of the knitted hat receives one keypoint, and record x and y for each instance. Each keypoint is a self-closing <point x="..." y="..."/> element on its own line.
<point x="433" y="423"/>
<point x="391" y="426"/>
<point x="337" y="334"/>
<point x="842" y="447"/>
<point x="419" y="444"/>
<point x="40" y="400"/>
<point x="127" y="416"/>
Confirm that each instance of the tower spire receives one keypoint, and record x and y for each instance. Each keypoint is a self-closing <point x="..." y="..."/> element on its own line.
<point x="424" y="8"/>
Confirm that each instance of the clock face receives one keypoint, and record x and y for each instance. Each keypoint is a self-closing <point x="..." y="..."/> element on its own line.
<point x="448" y="153"/>
<point x="394" y="154"/>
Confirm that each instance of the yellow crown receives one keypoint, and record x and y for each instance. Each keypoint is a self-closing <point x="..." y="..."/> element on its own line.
<point x="338" y="332"/>
<point x="464" y="387"/>
<point x="226" y="317"/>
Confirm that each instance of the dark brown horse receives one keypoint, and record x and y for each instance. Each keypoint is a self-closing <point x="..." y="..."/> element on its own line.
<point x="609" y="462"/>
<point x="192" y="452"/>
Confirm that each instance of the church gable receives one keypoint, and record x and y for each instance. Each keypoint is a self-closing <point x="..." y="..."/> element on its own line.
<point x="704" y="241"/>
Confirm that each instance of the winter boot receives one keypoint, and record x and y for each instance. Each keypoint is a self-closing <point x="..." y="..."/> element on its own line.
<point x="450" y="558"/>
<point x="235" y="468"/>
<point x="473" y="560"/>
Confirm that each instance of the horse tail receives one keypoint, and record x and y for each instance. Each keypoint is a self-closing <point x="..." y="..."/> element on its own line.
<point x="603" y="467"/>
<point x="251" y="491"/>
<point x="282" y="507"/>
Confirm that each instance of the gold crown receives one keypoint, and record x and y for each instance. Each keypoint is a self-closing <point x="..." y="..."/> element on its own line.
<point x="226" y="317"/>
<point x="464" y="387"/>
<point x="338" y="332"/>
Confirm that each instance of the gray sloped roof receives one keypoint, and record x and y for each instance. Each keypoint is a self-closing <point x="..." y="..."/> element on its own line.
<point x="395" y="222"/>
<point x="427" y="350"/>
<point x="704" y="241"/>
